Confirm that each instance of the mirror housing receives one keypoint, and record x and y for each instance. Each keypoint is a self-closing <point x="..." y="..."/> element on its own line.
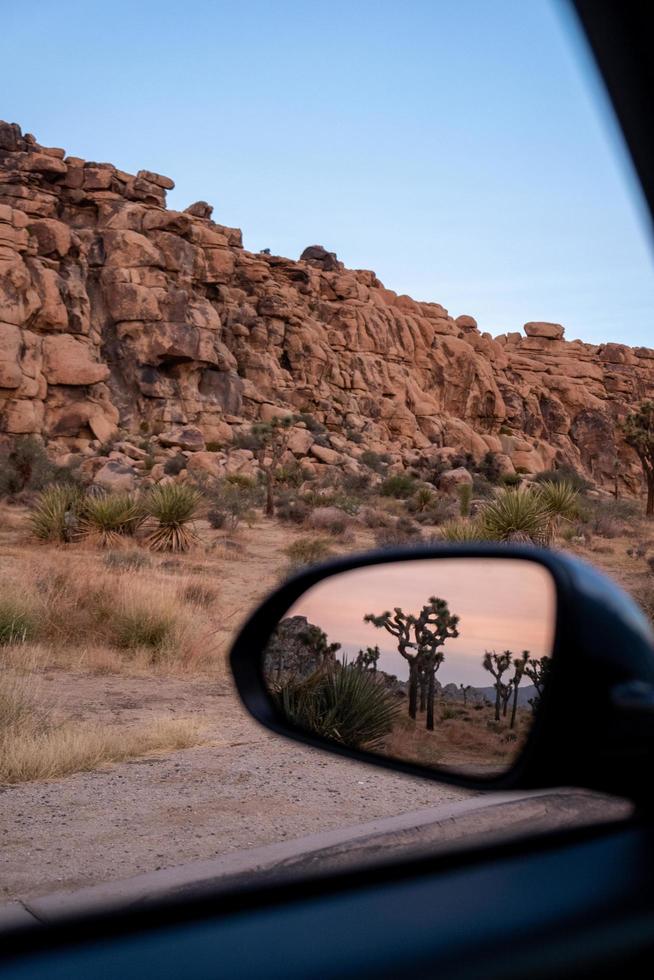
<point x="595" y="723"/>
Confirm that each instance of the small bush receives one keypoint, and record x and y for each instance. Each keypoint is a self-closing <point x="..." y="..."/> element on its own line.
<point x="232" y="502"/>
<point x="307" y="551"/>
<point x="109" y="517"/>
<point x="26" y="466"/>
<point x="138" y="628"/>
<point x="199" y="595"/>
<point x="404" y="532"/>
<point x="126" y="561"/>
<point x="353" y="436"/>
<point x="516" y="515"/>
<point x="511" y="479"/>
<point x="17" y="621"/>
<point x="54" y="516"/>
<point x="378" y="462"/>
<point x="173" y="506"/>
<point x="345" y="704"/>
<point x="422" y="501"/>
<point x="292" y="508"/>
<point x="399" y="485"/>
<point x="312" y="423"/>
<point x="564" y="474"/>
<point x="175" y="465"/>
<point x="465" y="498"/>
<point x="460" y="532"/>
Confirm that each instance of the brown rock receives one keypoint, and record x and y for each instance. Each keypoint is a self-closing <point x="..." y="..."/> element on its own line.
<point x="186" y="437"/>
<point x="200" y="209"/>
<point x="451" y="480"/>
<point x="550" y="331"/>
<point x="69" y="361"/>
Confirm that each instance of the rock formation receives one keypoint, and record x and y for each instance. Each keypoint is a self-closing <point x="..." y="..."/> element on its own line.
<point x="120" y="318"/>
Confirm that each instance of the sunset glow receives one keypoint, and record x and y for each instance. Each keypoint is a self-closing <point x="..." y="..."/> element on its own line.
<point x="502" y="604"/>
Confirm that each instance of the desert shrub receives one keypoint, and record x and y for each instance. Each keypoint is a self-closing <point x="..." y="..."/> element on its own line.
<point x="465" y="498"/>
<point x="217" y="519"/>
<point x="292" y="508"/>
<point x="398" y="485"/>
<point x="560" y="500"/>
<point x="172" y="506"/>
<point x="482" y="486"/>
<point x="402" y="533"/>
<point x="307" y="551"/>
<point x="26" y="466"/>
<point x="378" y="462"/>
<point x="311" y="422"/>
<point x="197" y="594"/>
<point x="290" y="475"/>
<point x="511" y="479"/>
<point x="175" y="465"/>
<point x="607" y="517"/>
<point x="334" y="498"/>
<point x="232" y="501"/>
<point x="353" y="436"/>
<point x="356" y="484"/>
<point x="109" y="517"/>
<point x="126" y="561"/>
<point x="422" y="501"/>
<point x="460" y="532"/>
<point x="564" y="474"/>
<point x="18" y="623"/>
<point x="55" y="513"/>
<point x="345" y="704"/>
<point x="516" y="515"/>
<point x="488" y="468"/>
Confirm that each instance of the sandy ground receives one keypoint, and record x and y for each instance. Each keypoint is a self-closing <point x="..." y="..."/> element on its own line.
<point x="245" y="787"/>
<point x="241" y="788"/>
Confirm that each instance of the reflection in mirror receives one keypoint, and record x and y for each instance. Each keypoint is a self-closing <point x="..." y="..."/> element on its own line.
<point x="439" y="662"/>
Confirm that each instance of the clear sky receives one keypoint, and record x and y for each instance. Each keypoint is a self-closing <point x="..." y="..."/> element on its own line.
<point x="460" y="148"/>
<point x="500" y="604"/>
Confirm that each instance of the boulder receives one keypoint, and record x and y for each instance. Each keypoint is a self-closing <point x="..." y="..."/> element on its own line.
<point x="185" y="437"/>
<point x="451" y="480"/>
<point x="115" y="475"/>
<point x="549" y="331"/>
<point x="69" y="361"/>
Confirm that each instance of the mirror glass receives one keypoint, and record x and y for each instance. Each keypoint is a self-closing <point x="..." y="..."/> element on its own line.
<point x="439" y="662"/>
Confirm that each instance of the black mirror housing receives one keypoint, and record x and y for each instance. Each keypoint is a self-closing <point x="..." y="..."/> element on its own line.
<point x="595" y="724"/>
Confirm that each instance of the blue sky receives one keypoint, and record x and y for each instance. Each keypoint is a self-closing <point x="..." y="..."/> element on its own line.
<point x="460" y="148"/>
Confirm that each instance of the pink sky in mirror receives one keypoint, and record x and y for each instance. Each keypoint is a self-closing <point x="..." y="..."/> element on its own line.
<point x="502" y="604"/>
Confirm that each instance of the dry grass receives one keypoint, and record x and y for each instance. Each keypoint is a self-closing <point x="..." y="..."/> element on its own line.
<point x="37" y="744"/>
<point x="464" y="738"/>
<point x="77" y="606"/>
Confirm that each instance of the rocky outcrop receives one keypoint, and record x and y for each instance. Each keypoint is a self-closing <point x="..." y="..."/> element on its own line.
<point x="119" y="317"/>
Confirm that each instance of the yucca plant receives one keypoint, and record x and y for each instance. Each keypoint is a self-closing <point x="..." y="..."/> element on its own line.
<point x="54" y="515"/>
<point x="516" y="516"/>
<point x="561" y="502"/>
<point x="172" y="506"/>
<point x="110" y="517"/>
<point x="344" y="703"/>
<point x="458" y="532"/>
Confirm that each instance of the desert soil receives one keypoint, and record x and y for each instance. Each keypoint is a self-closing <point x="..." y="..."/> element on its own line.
<point x="243" y="787"/>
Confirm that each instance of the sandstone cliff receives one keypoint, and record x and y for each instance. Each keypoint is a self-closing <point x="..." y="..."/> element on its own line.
<point x="120" y="316"/>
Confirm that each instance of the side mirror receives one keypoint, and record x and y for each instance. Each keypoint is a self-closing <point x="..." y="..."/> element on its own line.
<point x="487" y="667"/>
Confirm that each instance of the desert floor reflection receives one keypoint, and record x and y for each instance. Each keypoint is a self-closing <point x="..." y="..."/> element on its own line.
<point x="441" y="662"/>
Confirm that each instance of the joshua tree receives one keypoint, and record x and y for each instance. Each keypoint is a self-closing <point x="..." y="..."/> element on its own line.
<point x="419" y="639"/>
<point x="497" y="664"/>
<point x="505" y="695"/>
<point x="638" y="429"/>
<point x="465" y="690"/>
<point x="268" y="441"/>
<point x="519" y="666"/>
<point x="367" y="659"/>
<point x="537" y="671"/>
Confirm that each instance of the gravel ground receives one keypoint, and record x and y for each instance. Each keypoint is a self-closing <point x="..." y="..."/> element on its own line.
<point x="245" y="788"/>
